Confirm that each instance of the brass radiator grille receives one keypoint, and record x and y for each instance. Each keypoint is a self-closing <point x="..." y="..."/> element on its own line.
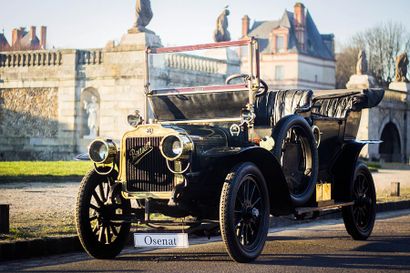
<point x="146" y="169"/>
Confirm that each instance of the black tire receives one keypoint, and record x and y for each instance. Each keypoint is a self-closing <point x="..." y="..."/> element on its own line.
<point x="244" y="212"/>
<point x="359" y="218"/>
<point x="296" y="151"/>
<point x="100" y="235"/>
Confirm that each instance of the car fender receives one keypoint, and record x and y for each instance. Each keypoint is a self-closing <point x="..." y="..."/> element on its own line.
<point x="344" y="167"/>
<point x="279" y="196"/>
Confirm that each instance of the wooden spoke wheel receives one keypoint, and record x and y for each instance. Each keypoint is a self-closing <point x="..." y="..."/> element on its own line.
<point x="360" y="217"/>
<point x="101" y="216"/>
<point x="244" y="213"/>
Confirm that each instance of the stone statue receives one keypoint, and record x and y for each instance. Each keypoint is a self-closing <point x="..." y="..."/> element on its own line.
<point x="92" y="110"/>
<point x="143" y="14"/>
<point x="361" y="66"/>
<point x="401" y="68"/>
<point x="221" y="32"/>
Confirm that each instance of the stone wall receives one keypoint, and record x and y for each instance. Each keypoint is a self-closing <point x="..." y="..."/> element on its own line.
<point x="28" y="112"/>
<point x="45" y="94"/>
<point x="29" y="125"/>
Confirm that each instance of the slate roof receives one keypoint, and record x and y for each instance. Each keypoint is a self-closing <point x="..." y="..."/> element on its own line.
<point x="3" y="41"/>
<point x="25" y="41"/>
<point x="315" y="46"/>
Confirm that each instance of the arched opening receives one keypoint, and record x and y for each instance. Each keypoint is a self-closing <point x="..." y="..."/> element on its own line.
<point x="89" y="113"/>
<point x="390" y="149"/>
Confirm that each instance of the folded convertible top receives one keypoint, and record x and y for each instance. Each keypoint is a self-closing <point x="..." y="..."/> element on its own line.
<point x="363" y="98"/>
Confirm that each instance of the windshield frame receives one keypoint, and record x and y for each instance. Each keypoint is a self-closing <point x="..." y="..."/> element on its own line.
<point x="252" y="84"/>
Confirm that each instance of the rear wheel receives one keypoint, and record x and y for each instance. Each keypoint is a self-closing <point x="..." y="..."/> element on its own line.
<point x="360" y="217"/>
<point x="244" y="212"/>
<point x="100" y="215"/>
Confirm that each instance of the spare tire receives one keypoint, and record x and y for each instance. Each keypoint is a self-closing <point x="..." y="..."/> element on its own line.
<point x="296" y="151"/>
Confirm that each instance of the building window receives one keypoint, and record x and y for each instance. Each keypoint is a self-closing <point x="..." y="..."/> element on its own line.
<point x="279" y="73"/>
<point x="280" y="43"/>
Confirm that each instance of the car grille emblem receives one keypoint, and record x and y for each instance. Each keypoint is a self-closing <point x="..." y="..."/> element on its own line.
<point x="136" y="155"/>
<point x="149" y="131"/>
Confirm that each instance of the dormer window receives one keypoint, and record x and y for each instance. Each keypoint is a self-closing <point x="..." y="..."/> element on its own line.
<point x="280" y="43"/>
<point x="279" y="40"/>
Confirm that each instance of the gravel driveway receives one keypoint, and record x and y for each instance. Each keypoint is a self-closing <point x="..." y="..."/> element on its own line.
<point x="40" y="209"/>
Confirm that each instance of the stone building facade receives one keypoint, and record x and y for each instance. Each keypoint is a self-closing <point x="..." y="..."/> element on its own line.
<point x="293" y="52"/>
<point x="50" y="99"/>
<point x="46" y="95"/>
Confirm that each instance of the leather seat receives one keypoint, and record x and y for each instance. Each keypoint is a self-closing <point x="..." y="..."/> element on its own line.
<point x="276" y="104"/>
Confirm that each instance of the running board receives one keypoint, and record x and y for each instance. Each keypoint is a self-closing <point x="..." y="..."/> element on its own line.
<point x="303" y="210"/>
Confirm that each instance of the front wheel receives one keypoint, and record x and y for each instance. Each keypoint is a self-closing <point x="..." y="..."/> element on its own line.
<point x="360" y="217"/>
<point x="244" y="212"/>
<point x="101" y="214"/>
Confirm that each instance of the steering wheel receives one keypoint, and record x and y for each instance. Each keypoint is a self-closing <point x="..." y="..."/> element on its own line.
<point x="264" y="88"/>
<point x="245" y="78"/>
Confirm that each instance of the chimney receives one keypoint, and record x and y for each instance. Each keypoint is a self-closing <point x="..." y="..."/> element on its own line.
<point x="245" y="26"/>
<point x="300" y="24"/>
<point x="15" y="38"/>
<point x="299" y="10"/>
<point x="32" y="33"/>
<point x="43" y="37"/>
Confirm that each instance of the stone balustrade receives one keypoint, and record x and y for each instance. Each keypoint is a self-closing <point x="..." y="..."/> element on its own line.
<point x="195" y="63"/>
<point x="89" y="57"/>
<point x="31" y="58"/>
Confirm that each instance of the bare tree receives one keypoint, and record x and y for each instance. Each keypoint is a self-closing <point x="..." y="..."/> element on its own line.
<point x="345" y="65"/>
<point x="382" y="44"/>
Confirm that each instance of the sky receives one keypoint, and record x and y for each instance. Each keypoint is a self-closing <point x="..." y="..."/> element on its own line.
<point x="92" y="23"/>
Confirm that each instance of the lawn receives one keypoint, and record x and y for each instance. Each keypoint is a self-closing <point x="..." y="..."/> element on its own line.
<point x="42" y="170"/>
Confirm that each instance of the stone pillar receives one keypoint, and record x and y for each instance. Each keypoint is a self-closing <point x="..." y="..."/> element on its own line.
<point x="140" y="40"/>
<point x="400" y="86"/>
<point x="360" y="81"/>
<point x="404" y="87"/>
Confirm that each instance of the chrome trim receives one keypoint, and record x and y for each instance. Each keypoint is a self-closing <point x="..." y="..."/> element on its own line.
<point x="111" y="151"/>
<point x="370" y="141"/>
<point x="201" y="121"/>
<point x="317" y="134"/>
<point x="176" y="93"/>
<point x="144" y="195"/>
<point x="186" y="143"/>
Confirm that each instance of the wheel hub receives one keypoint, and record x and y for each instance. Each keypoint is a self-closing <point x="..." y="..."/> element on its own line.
<point x="250" y="214"/>
<point x="363" y="201"/>
<point x="106" y="212"/>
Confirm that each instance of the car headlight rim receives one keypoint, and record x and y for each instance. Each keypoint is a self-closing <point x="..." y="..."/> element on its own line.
<point x="102" y="151"/>
<point x="176" y="146"/>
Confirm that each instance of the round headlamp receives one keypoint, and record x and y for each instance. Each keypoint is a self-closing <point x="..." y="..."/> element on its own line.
<point x="102" y="151"/>
<point x="176" y="146"/>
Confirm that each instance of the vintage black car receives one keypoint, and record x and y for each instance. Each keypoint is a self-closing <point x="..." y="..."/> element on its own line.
<point x="229" y="154"/>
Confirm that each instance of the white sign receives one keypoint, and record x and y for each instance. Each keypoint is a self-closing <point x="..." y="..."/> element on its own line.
<point x="161" y="240"/>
